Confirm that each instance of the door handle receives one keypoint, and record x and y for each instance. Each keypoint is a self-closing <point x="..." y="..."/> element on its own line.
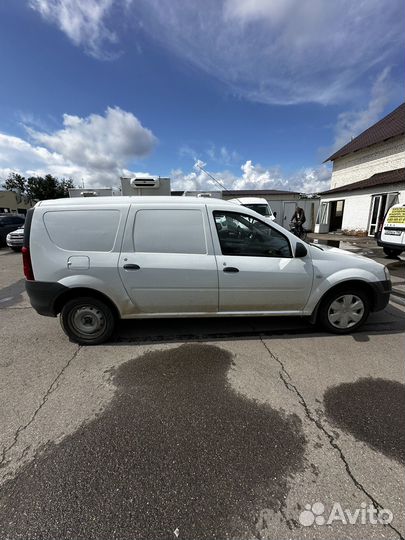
<point x="231" y="270"/>
<point x="131" y="267"/>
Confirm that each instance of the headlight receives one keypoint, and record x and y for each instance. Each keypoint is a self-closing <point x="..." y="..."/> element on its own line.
<point x="8" y="237"/>
<point x="387" y="273"/>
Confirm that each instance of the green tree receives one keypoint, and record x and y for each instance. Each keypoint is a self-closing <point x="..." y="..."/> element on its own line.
<point x="17" y="183"/>
<point x="38" y="188"/>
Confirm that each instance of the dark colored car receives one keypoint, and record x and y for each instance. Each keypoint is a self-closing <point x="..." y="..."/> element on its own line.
<point x="8" y="223"/>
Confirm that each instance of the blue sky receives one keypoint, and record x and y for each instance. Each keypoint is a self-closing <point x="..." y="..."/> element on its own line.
<point x="261" y="91"/>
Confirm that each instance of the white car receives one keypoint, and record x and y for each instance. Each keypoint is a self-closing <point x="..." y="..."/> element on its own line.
<point x="15" y="239"/>
<point x="259" y="205"/>
<point x="95" y="261"/>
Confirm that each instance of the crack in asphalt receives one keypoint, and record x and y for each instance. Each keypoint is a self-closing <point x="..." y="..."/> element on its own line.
<point x="53" y="386"/>
<point x="284" y="375"/>
<point x="177" y="448"/>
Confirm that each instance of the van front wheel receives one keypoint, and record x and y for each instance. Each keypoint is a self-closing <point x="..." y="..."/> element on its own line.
<point x="87" y="321"/>
<point x="344" y="310"/>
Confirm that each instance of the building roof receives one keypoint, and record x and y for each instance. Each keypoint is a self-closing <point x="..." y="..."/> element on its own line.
<point x="249" y="192"/>
<point x="388" y="177"/>
<point x="258" y="192"/>
<point x="390" y="126"/>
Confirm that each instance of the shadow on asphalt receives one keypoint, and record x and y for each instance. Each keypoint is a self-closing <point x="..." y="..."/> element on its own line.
<point x="144" y="331"/>
<point x="372" y="410"/>
<point x="11" y="295"/>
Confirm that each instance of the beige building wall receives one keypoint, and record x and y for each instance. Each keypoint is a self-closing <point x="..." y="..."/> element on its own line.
<point x="360" y="165"/>
<point x="9" y="202"/>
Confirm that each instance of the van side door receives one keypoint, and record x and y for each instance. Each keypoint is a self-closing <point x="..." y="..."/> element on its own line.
<point x="167" y="263"/>
<point x="257" y="271"/>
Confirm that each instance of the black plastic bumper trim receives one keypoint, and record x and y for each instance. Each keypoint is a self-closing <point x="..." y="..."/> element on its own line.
<point x="399" y="247"/>
<point x="43" y="296"/>
<point x="382" y="291"/>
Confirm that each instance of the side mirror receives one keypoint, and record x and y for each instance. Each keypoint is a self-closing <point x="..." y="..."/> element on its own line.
<point x="300" y="250"/>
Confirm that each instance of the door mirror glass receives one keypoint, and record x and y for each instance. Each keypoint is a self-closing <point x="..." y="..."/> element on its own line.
<point x="300" y="250"/>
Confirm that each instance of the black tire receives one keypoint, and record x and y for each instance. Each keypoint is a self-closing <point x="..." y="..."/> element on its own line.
<point x="87" y="320"/>
<point x="16" y="249"/>
<point x="392" y="253"/>
<point x="327" y="313"/>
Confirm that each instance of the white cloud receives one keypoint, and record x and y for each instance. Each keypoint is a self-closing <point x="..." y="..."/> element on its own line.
<point x="352" y="123"/>
<point x="222" y="155"/>
<point x="310" y="180"/>
<point x="279" y="51"/>
<point x="96" y="149"/>
<point x="83" y="21"/>
<point x="270" y="51"/>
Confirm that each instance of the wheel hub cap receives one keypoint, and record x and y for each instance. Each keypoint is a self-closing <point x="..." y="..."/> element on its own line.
<point x="346" y="311"/>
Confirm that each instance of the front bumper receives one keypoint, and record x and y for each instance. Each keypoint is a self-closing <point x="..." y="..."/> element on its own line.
<point x="382" y="291"/>
<point x="14" y="243"/>
<point x="43" y="296"/>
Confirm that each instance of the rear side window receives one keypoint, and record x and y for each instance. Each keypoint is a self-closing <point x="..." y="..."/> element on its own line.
<point x="169" y="231"/>
<point x="83" y="230"/>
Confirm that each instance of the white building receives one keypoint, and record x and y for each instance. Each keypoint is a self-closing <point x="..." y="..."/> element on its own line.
<point x="368" y="177"/>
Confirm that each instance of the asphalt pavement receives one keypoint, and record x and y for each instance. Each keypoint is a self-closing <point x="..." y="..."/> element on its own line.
<point x="237" y="428"/>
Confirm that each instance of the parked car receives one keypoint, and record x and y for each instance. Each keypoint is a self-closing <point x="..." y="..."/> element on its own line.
<point x="15" y="239"/>
<point x="9" y="222"/>
<point x="259" y="205"/>
<point x="391" y="235"/>
<point x="94" y="261"/>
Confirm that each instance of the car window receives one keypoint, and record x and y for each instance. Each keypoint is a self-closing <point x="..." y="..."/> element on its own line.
<point x="16" y="220"/>
<point x="262" y="209"/>
<point x="88" y="230"/>
<point x="169" y="231"/>
<point x="243" y="235"/>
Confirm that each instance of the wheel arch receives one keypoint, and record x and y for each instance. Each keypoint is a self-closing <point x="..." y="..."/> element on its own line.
<point x="358" y="284"/>
<point x="77" y="292"/>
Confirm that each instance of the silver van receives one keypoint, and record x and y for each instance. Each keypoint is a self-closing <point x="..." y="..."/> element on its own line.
<point x="97" y="260"/>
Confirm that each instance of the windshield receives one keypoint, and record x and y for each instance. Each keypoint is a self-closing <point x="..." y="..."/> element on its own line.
<point x="262" y="209"/>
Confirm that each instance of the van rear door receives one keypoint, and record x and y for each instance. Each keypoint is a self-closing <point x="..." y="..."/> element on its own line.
<point x="393" y="231"/>
<point x="167" y="263"/>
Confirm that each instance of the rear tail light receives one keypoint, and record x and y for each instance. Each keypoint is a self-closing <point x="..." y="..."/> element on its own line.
<point x="28" y="271"/>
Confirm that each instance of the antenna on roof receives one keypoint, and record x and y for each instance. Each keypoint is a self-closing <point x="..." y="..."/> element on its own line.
<point x="211" y="176"/>
<point x="215" y="180"/>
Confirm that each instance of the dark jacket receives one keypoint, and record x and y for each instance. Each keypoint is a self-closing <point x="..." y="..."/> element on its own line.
<point x="299" y="216"/>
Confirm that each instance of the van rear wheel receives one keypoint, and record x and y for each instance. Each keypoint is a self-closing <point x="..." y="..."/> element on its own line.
<point x="344" y="310"/>
<point x="392" y="253"/>
<point x="87" y="321"/>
